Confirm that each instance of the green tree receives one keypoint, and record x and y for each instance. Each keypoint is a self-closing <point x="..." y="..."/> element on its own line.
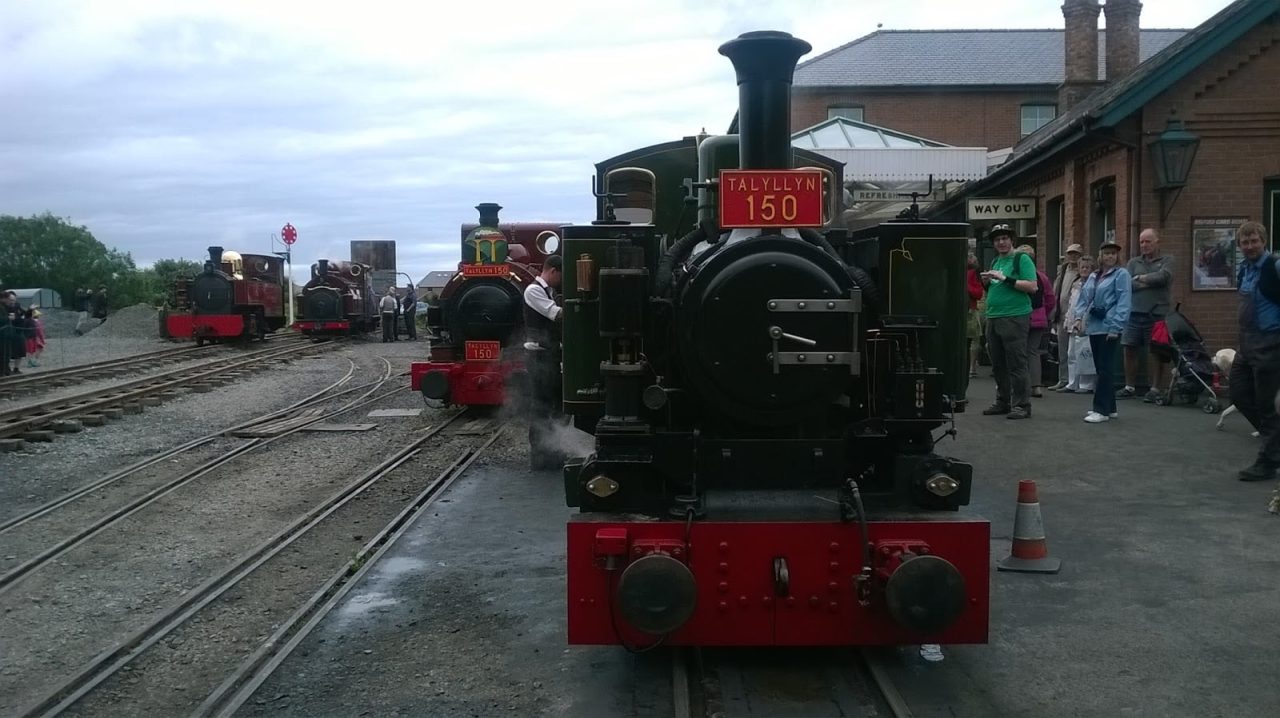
<point x="48" y="251"/>
<point x="165" y="272"/>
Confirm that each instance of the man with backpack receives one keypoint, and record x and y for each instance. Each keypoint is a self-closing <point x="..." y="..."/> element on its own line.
<point x="1255" y="374"/>
<point x="1010" y="284"/>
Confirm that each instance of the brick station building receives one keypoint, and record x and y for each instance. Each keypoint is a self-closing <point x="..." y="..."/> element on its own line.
<point x="1092" y="171"/>
<point x="965" y="88"/>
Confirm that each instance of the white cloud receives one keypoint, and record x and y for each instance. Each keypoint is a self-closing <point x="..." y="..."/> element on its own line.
<point x="167" y="126"/>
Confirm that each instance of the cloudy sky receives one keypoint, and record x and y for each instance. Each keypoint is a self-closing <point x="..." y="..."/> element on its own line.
<point x="166" y="126"/>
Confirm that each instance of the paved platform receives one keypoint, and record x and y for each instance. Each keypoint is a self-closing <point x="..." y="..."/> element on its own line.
<point x="1168" y="602"/>
<point x="462" y="619"/>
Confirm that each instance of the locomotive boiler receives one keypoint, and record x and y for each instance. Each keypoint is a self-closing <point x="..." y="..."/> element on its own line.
<point x="479" y="318"/>
<point x="235" y="296"/>
<point x="338" y="300"/>
<point x="766" y="393"/>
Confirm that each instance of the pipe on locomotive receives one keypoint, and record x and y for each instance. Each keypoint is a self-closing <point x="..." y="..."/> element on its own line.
<point x="765" y="62"/>
<point x="215" y="257"/>
<point x="322" y="268"/>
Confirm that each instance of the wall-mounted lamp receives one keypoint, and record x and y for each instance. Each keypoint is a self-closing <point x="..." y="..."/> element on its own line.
<point x="1172" y="154"/>
<point x="1100" y="199"/>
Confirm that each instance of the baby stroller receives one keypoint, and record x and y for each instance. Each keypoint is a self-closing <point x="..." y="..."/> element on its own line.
<point x="1174" y="339"/>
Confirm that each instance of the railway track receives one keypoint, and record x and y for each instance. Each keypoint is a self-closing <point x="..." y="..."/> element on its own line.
<point x="11" y="578"/>
<point x="241" y="675"/>
<point x="111" y="368"/>
<point x="18" y="421"/>
<point x="766" y="683"/>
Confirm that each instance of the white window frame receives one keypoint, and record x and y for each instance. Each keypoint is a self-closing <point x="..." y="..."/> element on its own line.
<point x="834" y="111"/>
<point x="1038" y="117"/>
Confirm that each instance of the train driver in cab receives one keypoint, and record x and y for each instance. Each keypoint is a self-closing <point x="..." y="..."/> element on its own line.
<point x="542" y="321"/>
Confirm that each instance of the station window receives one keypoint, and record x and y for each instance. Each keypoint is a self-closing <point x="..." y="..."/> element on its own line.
<point x="852" y="113"/>
<point x="1036" y="116"/>
<point x="1053" y="216"/>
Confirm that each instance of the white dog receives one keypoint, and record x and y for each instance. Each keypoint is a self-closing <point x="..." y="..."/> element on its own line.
<point x="1223" y="360"/>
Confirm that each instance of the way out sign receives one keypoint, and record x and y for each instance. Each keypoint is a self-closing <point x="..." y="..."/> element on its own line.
<point x="1001" y="208"/>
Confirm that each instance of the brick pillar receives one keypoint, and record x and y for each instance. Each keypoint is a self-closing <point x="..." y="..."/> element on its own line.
<point x="1080" y="45"/>
<point x="1075" y="205"/>
<point x="1122" y="37"/>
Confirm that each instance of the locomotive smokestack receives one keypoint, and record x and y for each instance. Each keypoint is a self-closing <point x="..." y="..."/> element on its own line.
<point x="765" y="62"/>
<point x="215" y="255"/>
<point x="322" y="268"/>
<point x="488" y="213"/>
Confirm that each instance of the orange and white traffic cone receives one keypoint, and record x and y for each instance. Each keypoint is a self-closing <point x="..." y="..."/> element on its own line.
<point x="1030" y="552"/>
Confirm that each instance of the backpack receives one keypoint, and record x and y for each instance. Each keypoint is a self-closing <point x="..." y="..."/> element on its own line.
<point x="1268" y="280"/>
<point x="1037" y="298"/>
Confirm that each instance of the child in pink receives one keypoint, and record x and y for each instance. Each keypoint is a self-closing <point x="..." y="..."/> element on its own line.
<point x="35" y="338"/>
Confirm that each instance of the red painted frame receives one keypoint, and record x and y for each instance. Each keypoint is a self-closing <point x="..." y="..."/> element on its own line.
<point x="191" y="326"/>
<point x="736" y="601"/>
<point x="471" y="383"/>
<point x="342" y="325"/>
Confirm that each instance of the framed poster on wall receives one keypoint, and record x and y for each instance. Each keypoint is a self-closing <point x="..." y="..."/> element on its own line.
<point x="1214" y="254"/>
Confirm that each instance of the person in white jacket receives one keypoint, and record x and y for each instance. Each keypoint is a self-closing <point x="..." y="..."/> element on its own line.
<point x="1080" y="370"/>
<point x="388" y="309"/>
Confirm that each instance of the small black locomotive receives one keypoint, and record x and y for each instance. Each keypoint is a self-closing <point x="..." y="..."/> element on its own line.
<point x="337" y="300"/>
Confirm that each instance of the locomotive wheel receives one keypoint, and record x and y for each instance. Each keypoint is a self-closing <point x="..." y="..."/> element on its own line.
<point x="199" y="341"/>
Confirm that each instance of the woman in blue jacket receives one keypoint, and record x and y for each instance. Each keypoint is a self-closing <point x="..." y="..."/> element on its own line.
<point x="1103" y="310"/>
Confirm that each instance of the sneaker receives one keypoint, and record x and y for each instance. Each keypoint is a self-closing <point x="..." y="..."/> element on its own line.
<point x="1258" y="472"/>
<point x="1152" y="396"/>
<point x="1094" y="417"/>
<point x="1067" y="390"/>
<point x="1114" y="415"/>
<point x="1059" y="386"/>
<point x="995" y="409"/>
<point x="1126" y="393"/>
<point x="1020" y="412"/>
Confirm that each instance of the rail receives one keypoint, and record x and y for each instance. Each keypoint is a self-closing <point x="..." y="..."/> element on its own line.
<point x="14" y="422"/>
<point x="258" y="666"/>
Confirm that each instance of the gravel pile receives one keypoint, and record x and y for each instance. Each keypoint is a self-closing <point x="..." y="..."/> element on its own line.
<point x="60" y="322"/>
<point x="140" y="321"/>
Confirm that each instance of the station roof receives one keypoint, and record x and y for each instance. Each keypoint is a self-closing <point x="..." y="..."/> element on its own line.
<point x="930" y="58"/>
<point x="436" y="280"/>
<point x="878" y="154"/>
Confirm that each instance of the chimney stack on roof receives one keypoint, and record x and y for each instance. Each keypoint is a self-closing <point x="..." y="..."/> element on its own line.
<point x="1122" y="37"/>
<point x="1080" y="42"/>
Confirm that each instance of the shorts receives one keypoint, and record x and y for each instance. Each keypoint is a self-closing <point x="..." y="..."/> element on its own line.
<point x="1137" y="332"/>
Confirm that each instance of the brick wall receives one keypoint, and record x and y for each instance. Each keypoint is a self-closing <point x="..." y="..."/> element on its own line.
<point x="1231" y="103"/>
<point x="979" y="118"/>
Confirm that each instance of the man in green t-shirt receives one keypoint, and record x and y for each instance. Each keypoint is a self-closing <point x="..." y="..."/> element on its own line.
<point x="1010" y="283"/>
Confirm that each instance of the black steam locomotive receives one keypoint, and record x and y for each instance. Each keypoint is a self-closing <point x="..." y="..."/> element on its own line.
<point x="478" y="319"/>
<point x="338" y="299"/>
<point x="235" y="296"/>
<point x="764" y="390"/>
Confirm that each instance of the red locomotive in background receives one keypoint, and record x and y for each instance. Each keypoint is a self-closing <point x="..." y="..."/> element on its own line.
<point x="479" y="318"/>
<point x="236" y="296"/>
<point x="338" y="299"/>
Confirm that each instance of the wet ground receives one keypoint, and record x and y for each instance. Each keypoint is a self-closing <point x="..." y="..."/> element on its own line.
<point x="1165" y="605"/>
